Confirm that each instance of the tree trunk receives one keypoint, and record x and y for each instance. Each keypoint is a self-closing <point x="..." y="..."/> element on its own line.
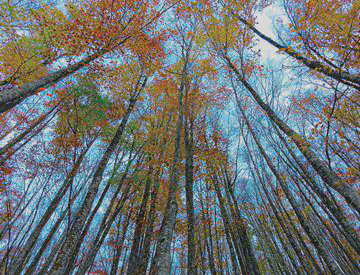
<point x="309" y="231"/>
<point x="23" y="257"/>
<point x="134" y="252"/>
<point x="162" y="261"/>
<point x="74" y="234"/>
<point x="329" y="177"/>
<point x="343" y="77"/>
<point x="189" y="181"/>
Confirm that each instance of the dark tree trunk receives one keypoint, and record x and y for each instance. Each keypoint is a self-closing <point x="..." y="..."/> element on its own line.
<point x="189" y="181"/>
<point x="139" y="227"/>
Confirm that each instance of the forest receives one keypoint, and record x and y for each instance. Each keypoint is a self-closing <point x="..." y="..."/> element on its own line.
<point x="179" y="137"/>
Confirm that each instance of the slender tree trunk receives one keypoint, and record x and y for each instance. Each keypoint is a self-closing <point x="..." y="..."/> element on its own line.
<point x="329" y="177"/>
<point x="189" y="179"/>
<point x="23" y="257"/>
<point x="65" y="254"/>
<point x="162" y="258"/>
<point x="144" y="257"/>
<point x="12" y="97"/>
<point x="135" y="248"/>
<point x="119" y="245"/>
<point x="101" y="235"/>
<point x="309" y="231"/>
<point x="208" y="238"/>
<point x="283" y="226"/>
<point x="7" y="153"/>
<point x="46" y="242"/>
<point x="349" y="233"/>
<point x="27" y="131"/>
<point x="227" y="227"/>
<point x="343" y="77"/>
<point x="109" y="214"/>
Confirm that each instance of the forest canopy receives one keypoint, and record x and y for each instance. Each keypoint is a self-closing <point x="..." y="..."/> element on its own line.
<point x="179" y="137"/>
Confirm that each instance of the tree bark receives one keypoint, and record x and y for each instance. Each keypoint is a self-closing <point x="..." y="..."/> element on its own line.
<point x="189" y="194"/>
<point x="134" y="252"/>
<point x="162" y="261"/>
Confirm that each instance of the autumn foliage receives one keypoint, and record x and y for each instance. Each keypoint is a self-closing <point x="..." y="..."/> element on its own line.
<point x="179" y="137"/>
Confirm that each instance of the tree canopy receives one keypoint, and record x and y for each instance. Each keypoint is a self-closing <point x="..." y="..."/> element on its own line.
<point x="179" y="137"/>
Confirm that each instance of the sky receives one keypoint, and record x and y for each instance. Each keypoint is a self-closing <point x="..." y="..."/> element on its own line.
<point x="265" y="25"/>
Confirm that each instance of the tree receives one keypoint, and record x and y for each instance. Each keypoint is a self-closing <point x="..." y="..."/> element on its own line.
<point x="154" y="137"/>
